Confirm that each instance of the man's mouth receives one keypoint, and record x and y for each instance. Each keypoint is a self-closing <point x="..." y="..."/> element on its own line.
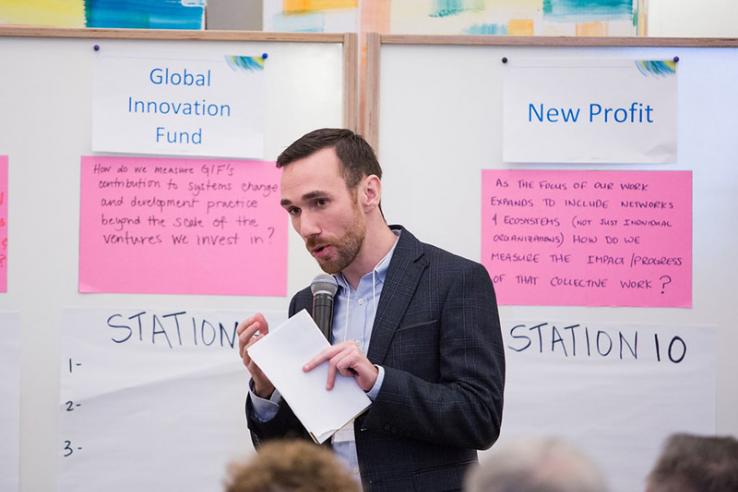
<point x="321" y="249"/>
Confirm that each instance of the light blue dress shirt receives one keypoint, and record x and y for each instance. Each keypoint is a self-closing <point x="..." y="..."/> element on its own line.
<point x="353" y="319"/>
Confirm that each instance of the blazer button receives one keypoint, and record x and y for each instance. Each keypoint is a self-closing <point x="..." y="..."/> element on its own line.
<point x="386" y="427"/>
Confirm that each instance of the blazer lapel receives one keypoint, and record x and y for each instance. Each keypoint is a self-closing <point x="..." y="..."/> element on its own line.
<point x="403" y="275"/>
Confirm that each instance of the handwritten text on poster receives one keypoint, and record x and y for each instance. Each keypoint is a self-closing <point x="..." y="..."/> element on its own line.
<point x="588" y="238"/>
<point x="181" y="227"/>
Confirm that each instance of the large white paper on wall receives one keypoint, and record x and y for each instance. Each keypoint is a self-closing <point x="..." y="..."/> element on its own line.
<point x="177" y="102"/>
<point x="603" y="110"/>
<point x="151" y="397"/>
<point x="9" y="401"/>
<point x="615" y="391"/>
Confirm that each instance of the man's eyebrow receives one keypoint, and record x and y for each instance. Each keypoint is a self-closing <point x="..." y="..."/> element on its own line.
<point x="312" y="195"/>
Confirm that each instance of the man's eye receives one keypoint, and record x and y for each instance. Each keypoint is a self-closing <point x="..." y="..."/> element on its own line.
<point x="294" y="211"/>
<point x="321" y="202"/>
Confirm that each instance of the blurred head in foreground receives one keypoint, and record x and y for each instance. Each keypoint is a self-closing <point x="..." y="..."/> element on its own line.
<point x="691" y="463"/>
<point x="291" y="466"/>
<point x="535" y="465"/>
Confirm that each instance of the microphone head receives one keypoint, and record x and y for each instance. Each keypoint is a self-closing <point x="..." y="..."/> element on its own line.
<point x="324" y="284"/>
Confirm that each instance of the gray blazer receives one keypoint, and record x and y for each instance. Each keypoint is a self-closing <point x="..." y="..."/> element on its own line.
<point x="437" y="335"/>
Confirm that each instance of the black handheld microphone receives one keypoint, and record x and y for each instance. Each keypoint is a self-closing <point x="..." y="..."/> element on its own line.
<point x="324" y="288"/>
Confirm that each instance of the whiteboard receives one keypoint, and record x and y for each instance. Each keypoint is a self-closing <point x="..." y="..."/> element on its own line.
<point x="45" y="127"/>
<point x="436" y="119"/>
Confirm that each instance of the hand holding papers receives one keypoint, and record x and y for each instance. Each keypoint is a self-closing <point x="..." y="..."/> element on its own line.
<point x="281" y="355"/>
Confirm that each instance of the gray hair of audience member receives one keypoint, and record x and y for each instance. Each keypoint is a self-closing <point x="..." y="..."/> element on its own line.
<point x="535" y="465"/>
<point x="690" y="463"/>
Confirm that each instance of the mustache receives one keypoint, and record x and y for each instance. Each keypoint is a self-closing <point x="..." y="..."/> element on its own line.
<point x="313" y="242"/>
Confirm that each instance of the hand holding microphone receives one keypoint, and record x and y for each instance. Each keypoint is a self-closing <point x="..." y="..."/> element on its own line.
<point x="324" y="288"/>
<point x="343" y="358"/>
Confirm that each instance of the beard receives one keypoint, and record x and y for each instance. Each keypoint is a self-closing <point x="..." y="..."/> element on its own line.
<point x="347" y="246"/>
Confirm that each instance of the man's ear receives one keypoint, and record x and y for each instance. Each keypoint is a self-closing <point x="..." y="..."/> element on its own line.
<point x="371" y="192"/>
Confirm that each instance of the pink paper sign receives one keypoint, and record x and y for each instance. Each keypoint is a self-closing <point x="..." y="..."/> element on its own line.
<point x="594" y="238"/>
<point x="3" y="223"/>
<point x="181" y="226"/>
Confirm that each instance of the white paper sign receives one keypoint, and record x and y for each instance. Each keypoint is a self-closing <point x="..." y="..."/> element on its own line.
<point x="615" y="111"/>
<point x="281" y="355"/>
<point x="616" y="392"/>
<point x="172" y="103"/>
<point x="9" y="401"/>
<point x="151" y="397"/>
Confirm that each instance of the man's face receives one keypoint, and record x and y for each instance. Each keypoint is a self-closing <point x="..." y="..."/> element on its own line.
<point x="323" y="210"/>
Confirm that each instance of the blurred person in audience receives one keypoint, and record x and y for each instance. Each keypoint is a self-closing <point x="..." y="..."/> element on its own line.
<point x="291" y="466"/>
<point x="535" y="465"/>
<point x="690" y="463"/>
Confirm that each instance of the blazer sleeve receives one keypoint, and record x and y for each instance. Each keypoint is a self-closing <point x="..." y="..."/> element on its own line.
<point x="284" y="424"/>
<point x="461" y="405"/>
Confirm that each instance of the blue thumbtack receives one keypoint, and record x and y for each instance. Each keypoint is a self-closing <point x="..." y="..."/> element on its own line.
<point x="96" y="47"/>
<point x="504" y="59"/>
<point x="676" y="59"/>
<point x="264" y="56"/>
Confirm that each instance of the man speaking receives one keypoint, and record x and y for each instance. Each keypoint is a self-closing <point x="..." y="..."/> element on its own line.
<point x="415" y="326"/>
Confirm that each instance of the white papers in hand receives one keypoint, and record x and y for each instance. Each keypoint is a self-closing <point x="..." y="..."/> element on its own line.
<point x="281" y="355"/>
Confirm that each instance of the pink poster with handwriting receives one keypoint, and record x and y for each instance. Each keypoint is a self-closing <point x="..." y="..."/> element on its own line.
<point x="181" y="226"/>
<point x="3" y="223"/>
<point x="588" y="238"/>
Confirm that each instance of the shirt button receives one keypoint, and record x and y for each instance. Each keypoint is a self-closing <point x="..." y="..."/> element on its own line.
<point x="361" y="302"/>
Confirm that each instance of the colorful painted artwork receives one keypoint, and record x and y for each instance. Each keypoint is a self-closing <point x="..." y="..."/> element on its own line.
<point x="56" y="13"/>
<point x="132" y="14"/>
<point x="517" y="17"/>
<point x="472" y="17"/>
<point x="311" y="16"/>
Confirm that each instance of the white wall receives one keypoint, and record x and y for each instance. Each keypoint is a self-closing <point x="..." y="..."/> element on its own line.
<point x="693" y="18"/>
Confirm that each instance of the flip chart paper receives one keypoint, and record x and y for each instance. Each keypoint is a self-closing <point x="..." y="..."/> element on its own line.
<point x="151" y="393"/>
<point x="600" y="110"/>
<point x="615" y="391"/>
<point x="176" y="226"/>
<point x="3" y="223"/>
<point x="281" y="355"/>
<point x="10" y="335"/>
<point x="588" y="238"/>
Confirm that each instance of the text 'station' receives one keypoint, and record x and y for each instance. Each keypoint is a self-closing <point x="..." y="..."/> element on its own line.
<point x="627" y="384"/>
<point x="140" y="386"/>
<point x="174" y="226"/>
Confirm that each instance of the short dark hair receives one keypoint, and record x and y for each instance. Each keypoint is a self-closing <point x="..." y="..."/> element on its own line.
<point x="356" y="155"/>
<point x="690" y="463"/>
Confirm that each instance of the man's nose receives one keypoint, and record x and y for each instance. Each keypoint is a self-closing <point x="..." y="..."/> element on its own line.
<point x="308" y="226"/>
